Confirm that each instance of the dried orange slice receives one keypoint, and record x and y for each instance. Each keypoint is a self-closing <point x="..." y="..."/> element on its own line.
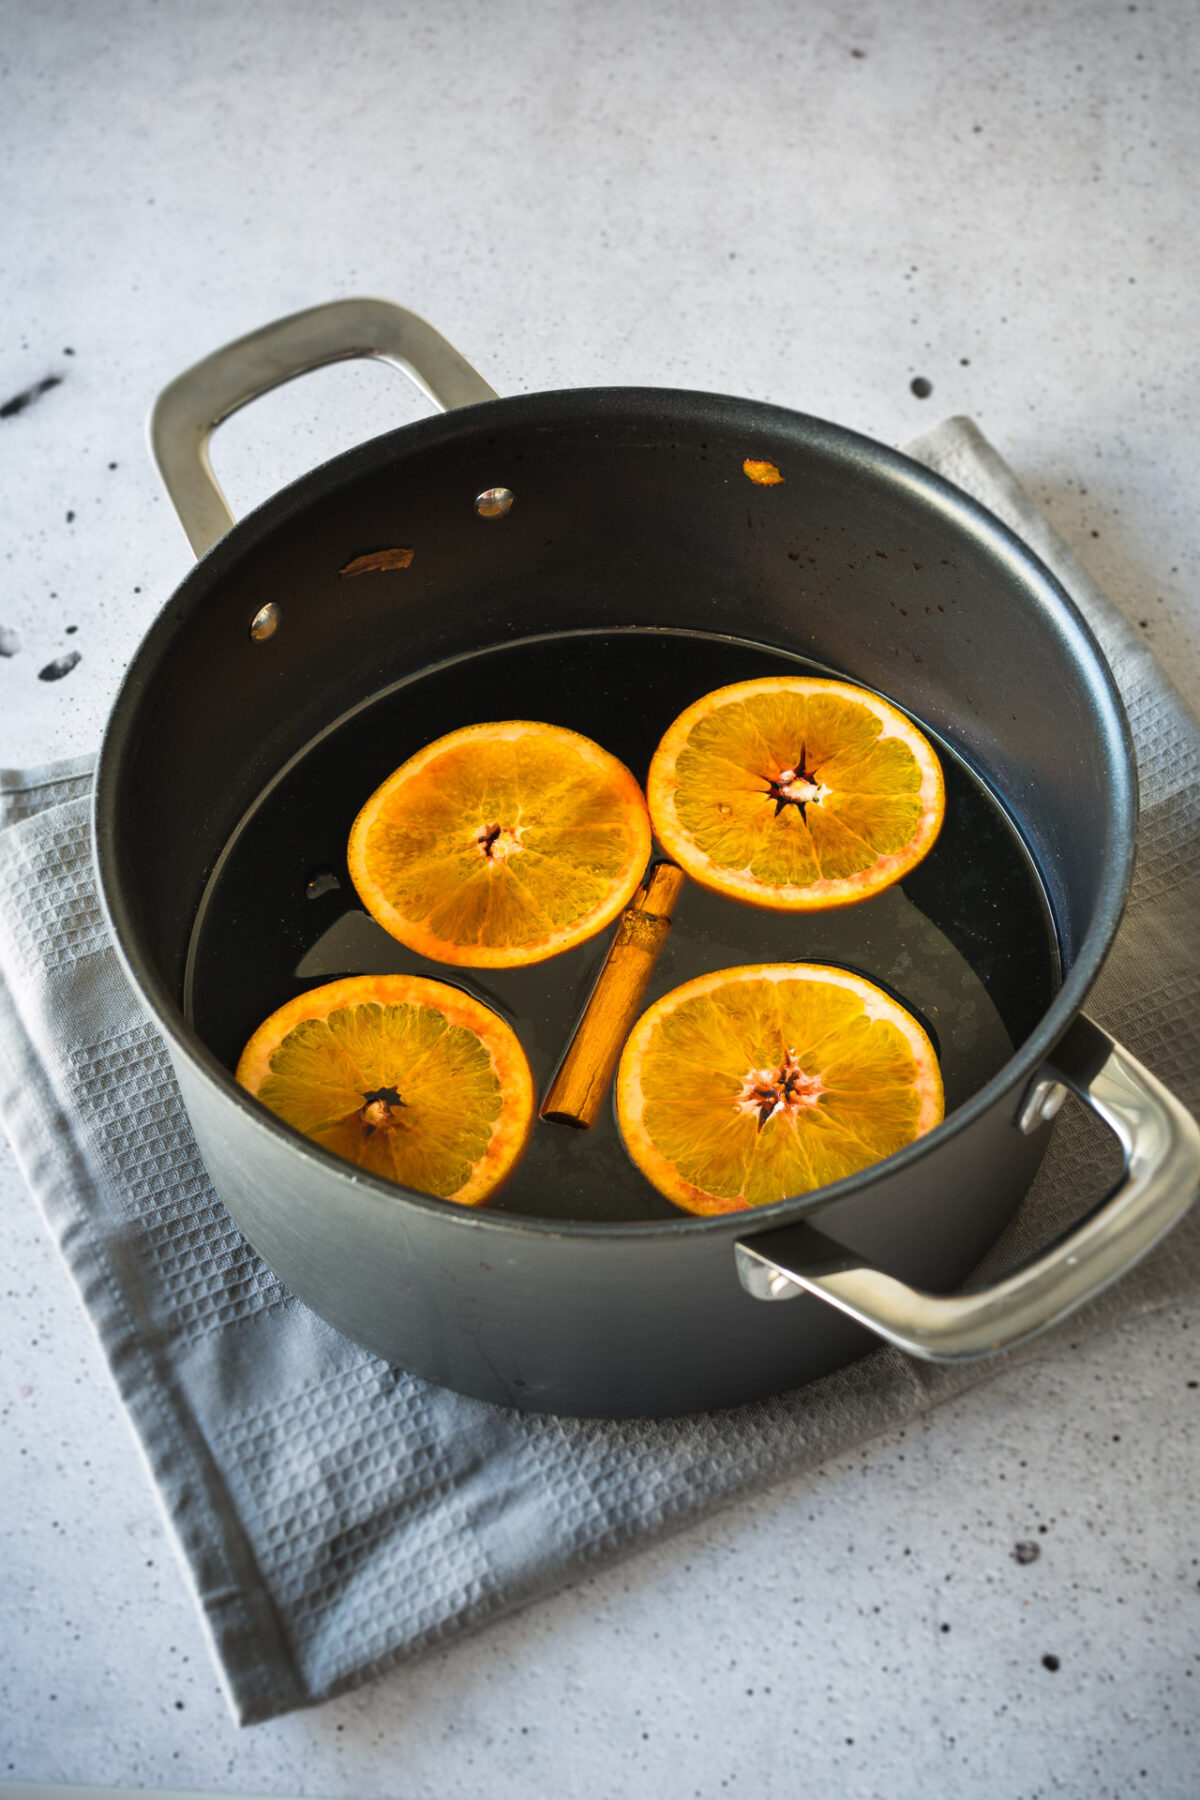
<point x="404" y="1076"/>
<point x="795" y="792"/>
<point x="753" y="1084"/>
<point x="501" y="845"/>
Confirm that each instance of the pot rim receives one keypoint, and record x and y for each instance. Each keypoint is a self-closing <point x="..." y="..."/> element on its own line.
<point x="548" y="410"/>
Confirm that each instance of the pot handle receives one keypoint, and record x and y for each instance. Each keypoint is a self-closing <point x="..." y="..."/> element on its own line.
<point x="188" y="411"/>
<point x="1161" y="1142"/>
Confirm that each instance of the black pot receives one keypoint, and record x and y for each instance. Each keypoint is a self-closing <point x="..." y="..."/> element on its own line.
<point x="631" y="512"/>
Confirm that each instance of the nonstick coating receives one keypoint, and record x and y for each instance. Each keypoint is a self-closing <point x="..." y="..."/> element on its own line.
<point x="631" y="508"/>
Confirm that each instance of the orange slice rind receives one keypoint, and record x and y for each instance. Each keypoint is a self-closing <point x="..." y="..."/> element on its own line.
<point x="795" y="792"/>
<point x="755" y="1084"/>
<point x="408" y="1078"/>
<point x="501" y="844"/>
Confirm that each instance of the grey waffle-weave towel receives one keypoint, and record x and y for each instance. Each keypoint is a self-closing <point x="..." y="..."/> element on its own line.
<point x="335" y="1515"/>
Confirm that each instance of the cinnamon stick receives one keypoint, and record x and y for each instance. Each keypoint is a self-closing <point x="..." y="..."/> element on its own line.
<point x="577" y="1092"/>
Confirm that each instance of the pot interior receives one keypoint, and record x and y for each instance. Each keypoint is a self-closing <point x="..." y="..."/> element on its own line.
<point x="967" y="942"/>
<point x="637" y="568"/>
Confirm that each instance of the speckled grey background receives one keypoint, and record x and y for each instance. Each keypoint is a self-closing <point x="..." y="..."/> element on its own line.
<point x="816" y="205"/>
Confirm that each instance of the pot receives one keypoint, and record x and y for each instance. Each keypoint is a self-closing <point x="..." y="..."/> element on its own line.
<point x="627" y="510"/>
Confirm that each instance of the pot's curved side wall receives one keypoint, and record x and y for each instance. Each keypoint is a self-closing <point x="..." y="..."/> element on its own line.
<point x="640" y="1322"/>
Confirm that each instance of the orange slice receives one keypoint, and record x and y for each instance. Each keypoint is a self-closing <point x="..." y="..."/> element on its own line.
<point x="753" y="1084"/>
<point x="501" y="845"/>
<point x="795" y="792"/>
<point x="406" y="1077"/>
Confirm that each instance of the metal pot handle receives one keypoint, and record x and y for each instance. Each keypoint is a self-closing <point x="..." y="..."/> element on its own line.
<point x="1161" y="1142"/>
<point x="188" y="411"/>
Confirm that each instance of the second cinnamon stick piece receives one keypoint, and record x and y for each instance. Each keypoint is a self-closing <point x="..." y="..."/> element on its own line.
<point x="577" y="1092"/>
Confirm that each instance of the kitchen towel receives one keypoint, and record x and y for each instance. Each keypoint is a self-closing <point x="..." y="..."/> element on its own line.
<point x="336" y="1516"/>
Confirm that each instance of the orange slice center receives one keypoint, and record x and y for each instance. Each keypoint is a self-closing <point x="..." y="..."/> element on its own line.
<point x="787" y="1089"/>
<point x="497" y="842"/>
<point x="380" y="1110"/>
<point x="797" y="787"/>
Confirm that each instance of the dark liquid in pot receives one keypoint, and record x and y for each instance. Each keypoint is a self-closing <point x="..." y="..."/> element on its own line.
<point x="967" y="941"/>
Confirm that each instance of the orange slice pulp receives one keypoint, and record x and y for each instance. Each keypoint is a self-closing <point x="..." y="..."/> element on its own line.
<point x="754" y="1084"/>
<point x="404" y="1076"/>
<point x="795" y="792"/>
<point x="501" y="844"/>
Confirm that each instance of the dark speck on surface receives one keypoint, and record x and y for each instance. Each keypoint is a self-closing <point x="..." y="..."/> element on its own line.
<point x="1026" y="1551"/>
<point x="70" y="518"/>
<point x="19" y="402"/>
<point x="62" y="665"/>
<point x="71" y="630"/>
<point x="1052" y="1663"/>
<point x="921" y="387"/>
<point x="10" y="643"/>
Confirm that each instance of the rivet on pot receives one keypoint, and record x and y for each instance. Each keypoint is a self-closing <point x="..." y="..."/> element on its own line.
<point x="265" y="622"/>
<point x="1042" y="1103"/>
<point x="493" y="503"/>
